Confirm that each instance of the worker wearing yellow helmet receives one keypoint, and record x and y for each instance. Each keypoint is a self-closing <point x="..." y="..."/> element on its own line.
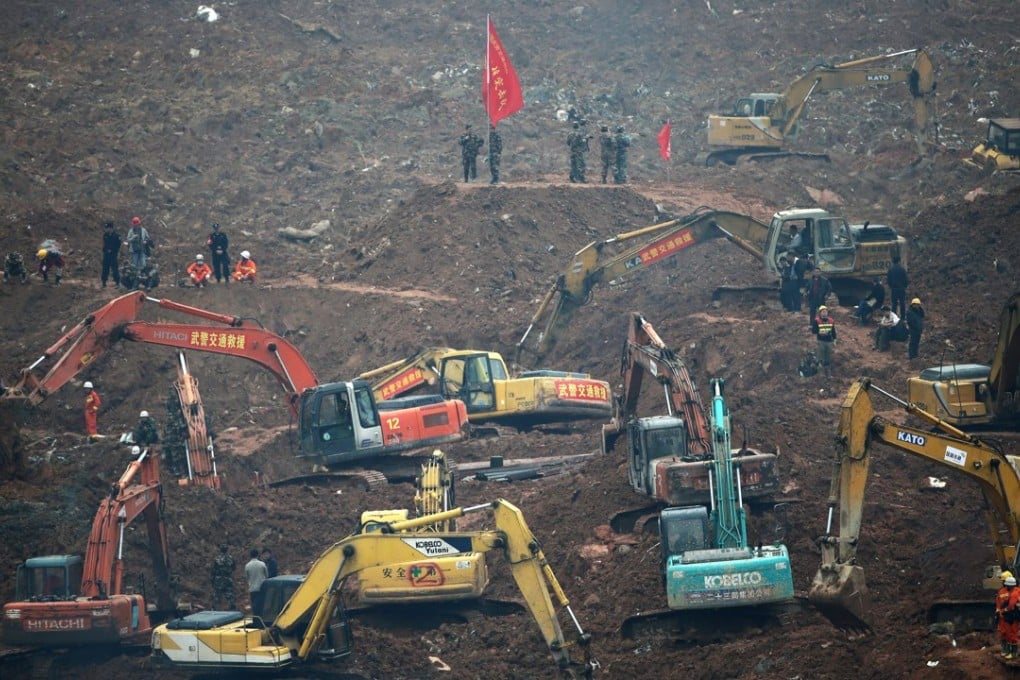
<point x="824" y="329"/>
<point x="1007" y="614"/>
<point x="915" y="326"/>
<point x="50" y="260"/>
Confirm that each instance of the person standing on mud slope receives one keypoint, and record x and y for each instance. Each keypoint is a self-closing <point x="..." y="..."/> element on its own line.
<point x="92" y="404"/>
<point x="218" y="244"/>
<point x="825" y="330"/>
<point x="607" y="148"/>
<point x="111" y="251"/>
<point x="139" y="243"/>
<point x="223" y="579"/>
<point x="470" y="145"/>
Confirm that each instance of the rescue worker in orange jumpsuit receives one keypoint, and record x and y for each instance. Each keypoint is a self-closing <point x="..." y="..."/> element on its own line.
<point x="1005" y="613"/>
<point x="92" y="404"/>
<point x="199" y="272"/>
<point x="245" y="269"/>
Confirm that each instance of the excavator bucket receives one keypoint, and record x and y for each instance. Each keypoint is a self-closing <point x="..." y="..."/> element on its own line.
<point x="838" y="593"/>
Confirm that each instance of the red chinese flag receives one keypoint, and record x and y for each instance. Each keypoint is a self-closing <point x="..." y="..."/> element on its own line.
<point x="664" y="147"/>
<point x="501" y="91"/>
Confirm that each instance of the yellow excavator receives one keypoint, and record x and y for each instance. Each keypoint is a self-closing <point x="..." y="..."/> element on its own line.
<point x="762" y="123"/>
<point x="838" y="589"/>
<point x="490" y="391"/>
<point x="1000" y="152"/>
<point x="850" y="256"/>
<point x="311" y="623"/>
<point x="444" y="578"/>
<point x="977" y="396"/>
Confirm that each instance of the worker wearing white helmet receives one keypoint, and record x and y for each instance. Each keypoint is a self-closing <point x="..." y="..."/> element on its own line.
<point x="200" y="272"/>
<point x="92" y="404"/>
<point x="245" y="270"/>
<point x="145" y="433"/>
<point x="136" y="451"/>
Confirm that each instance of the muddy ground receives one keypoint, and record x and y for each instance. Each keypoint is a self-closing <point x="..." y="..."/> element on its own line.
<point x="285" y="114"/>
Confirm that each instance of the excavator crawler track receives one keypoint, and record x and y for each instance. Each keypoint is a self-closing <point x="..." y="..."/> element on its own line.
<point x="705" y="626"/>
<point x="362" y="480"/>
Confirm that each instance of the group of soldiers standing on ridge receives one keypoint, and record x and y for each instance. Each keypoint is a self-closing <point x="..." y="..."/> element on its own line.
<point x="613" y="152"/>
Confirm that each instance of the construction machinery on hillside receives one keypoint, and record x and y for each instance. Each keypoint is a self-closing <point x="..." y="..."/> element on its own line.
<point x="492" y="394"/>
<point x="850" y="256"/>
<point x="977" y="396"/>
<point x="1000" y="152"/>
<point x="311" y="618"/>
<point x="838" y="589"/>
<point x="64" y="601"/>
<point x="187" y="437"/>
<point x="761" y="125"/>
<point x="669" y="454"/>
<point x="707" y="561"/>
<point x="339" y="423"/>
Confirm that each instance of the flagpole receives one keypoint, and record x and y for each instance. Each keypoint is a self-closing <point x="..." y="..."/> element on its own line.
<point x="488" y="71"/>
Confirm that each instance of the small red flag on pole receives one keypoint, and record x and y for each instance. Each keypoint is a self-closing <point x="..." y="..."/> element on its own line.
<point x="501" y="91"/>
<point x="664" y="146"/>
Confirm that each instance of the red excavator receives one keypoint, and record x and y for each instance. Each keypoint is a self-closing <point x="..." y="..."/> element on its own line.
<point x="64" y="601"/>
<point x="327" y="426"/>
<point x="669" y="454"/>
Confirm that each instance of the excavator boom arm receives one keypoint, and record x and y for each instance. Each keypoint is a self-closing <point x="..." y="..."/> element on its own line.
<point x="313" y="601"/>
<point x="137" y="492"/>
<point x="1004" y="376"/>
<point x="593" y="264"/>
<point x="839" y="581"/>
<point x="97" y="332"/>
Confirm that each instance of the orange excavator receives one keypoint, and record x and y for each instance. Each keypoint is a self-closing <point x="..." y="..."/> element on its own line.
<point x="670" y="455"/>
<point x="62" y="600"/>
<point x="198" y="451"/>
<point x="339" y="423"/>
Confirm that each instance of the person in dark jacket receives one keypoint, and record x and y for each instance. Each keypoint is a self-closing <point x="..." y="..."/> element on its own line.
<point x="218" y="244"/>
<point x="818" y="290"/>
<point x="898" y="280"/>
<point x="915" y="324"/>
<point x="874" y="300"/>
<point x="111" y="251"/>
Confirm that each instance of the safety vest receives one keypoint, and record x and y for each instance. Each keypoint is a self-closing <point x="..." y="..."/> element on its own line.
<point x="826" y="329"/>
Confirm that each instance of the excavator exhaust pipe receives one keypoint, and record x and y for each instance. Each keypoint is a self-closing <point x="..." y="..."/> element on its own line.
<point x="838" y="592"/>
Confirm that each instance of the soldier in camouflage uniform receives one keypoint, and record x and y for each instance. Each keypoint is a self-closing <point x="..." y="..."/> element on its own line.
<point x="621" y="141"/>
<point x="495" y="152"/>
<point x="470" y="145"/>
<point x="577" y="141"/>
<point x="608" y="149"/>
<point x="129" y="277"/>
<point x="223" y="579"/>
<point x="14" y="268"/>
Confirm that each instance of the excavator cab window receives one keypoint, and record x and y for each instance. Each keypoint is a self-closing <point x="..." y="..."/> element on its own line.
<point x="49" y="581"/>
<point x="335" y="417"/>
<point x="1006" y="140"/>
<point x="469" y="379"/>
<point x="683" y="530"/>
<point x="368" y="414"/>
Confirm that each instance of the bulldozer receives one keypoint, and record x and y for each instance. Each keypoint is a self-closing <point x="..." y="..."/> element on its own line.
<point x="761" y="124"/>
<point x="1000" y="152"/>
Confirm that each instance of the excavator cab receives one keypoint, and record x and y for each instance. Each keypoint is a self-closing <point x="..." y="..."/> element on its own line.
<point x="470" y="378"/>
<point x="650" y="439"/>
<point x="52" y="577"/>
<point x="339" y="422"/>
